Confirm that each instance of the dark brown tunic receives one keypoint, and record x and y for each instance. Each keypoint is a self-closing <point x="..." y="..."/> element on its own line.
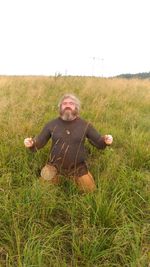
<point x="67" y="151"/>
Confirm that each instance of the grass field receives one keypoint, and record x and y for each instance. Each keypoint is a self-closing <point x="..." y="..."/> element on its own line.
<point x="50" y="226"/>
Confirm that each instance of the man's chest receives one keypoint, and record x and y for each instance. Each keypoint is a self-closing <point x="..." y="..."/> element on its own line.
<point x="69" y="134"/>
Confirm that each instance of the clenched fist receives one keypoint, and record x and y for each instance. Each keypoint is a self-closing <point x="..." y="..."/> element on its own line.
<point x="28" y="142"/>
<point x="108" y="139"/>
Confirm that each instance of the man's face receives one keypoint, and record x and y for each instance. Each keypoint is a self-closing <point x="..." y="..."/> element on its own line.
<point x="68" y="104"/>
<point x="68" y="109"/>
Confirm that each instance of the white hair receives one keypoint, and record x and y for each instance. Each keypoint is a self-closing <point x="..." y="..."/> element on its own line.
<point x="73" y="98"/>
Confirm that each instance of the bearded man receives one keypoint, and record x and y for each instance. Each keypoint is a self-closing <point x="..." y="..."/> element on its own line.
<point x="67" y="155"/>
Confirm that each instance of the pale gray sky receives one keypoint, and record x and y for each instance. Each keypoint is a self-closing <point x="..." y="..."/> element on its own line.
<point x="77" y="37"/>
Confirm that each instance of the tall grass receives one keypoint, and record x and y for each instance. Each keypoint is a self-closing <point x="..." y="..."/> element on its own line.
<point x="43" y="225"/>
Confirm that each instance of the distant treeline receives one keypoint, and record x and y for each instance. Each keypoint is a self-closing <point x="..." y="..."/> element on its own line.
<point x="143" y="75"/>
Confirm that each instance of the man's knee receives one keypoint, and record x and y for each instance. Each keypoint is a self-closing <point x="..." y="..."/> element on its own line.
<point x="86" y="183"/>
<point x="49" y="174"/>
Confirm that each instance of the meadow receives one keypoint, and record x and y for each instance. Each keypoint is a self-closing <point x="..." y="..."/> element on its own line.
<point x="57" y="226"/>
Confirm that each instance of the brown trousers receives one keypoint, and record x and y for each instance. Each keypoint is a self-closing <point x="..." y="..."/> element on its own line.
<point x="85" y="183"/>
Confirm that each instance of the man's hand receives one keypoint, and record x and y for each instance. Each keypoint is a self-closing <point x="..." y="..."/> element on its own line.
<point x="108" y="139"/>
<point x="28" y="142"/>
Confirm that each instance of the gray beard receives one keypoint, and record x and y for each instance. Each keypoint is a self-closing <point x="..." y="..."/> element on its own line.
<point x="68" y="115"/>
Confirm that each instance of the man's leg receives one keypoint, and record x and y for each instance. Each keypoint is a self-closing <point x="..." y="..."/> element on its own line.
<point x="49" y="174"/>
<point x="86" y="183"/>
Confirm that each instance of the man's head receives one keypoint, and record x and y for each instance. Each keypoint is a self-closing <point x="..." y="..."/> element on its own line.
<point x="69" y="106"/>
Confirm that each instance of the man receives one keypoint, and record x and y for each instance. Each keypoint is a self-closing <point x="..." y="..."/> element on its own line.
<point x="67" y="156"/>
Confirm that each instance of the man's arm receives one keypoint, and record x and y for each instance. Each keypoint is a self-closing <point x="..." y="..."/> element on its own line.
<point x="39" y="141"/>
<point x="96" y="139"/>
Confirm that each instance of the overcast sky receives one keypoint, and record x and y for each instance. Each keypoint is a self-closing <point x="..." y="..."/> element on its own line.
<point x="74" y="37"/>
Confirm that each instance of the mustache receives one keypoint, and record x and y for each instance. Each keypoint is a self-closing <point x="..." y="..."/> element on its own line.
<point x="68" y="109"/>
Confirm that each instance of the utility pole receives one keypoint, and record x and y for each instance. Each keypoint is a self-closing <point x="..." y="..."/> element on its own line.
<point x="95" y="61"/>
<point x="102" y="60"/>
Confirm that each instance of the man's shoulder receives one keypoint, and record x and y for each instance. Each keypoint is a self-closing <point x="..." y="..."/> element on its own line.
<point x="52" y="122"/>
<point x="83" y="120"/>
